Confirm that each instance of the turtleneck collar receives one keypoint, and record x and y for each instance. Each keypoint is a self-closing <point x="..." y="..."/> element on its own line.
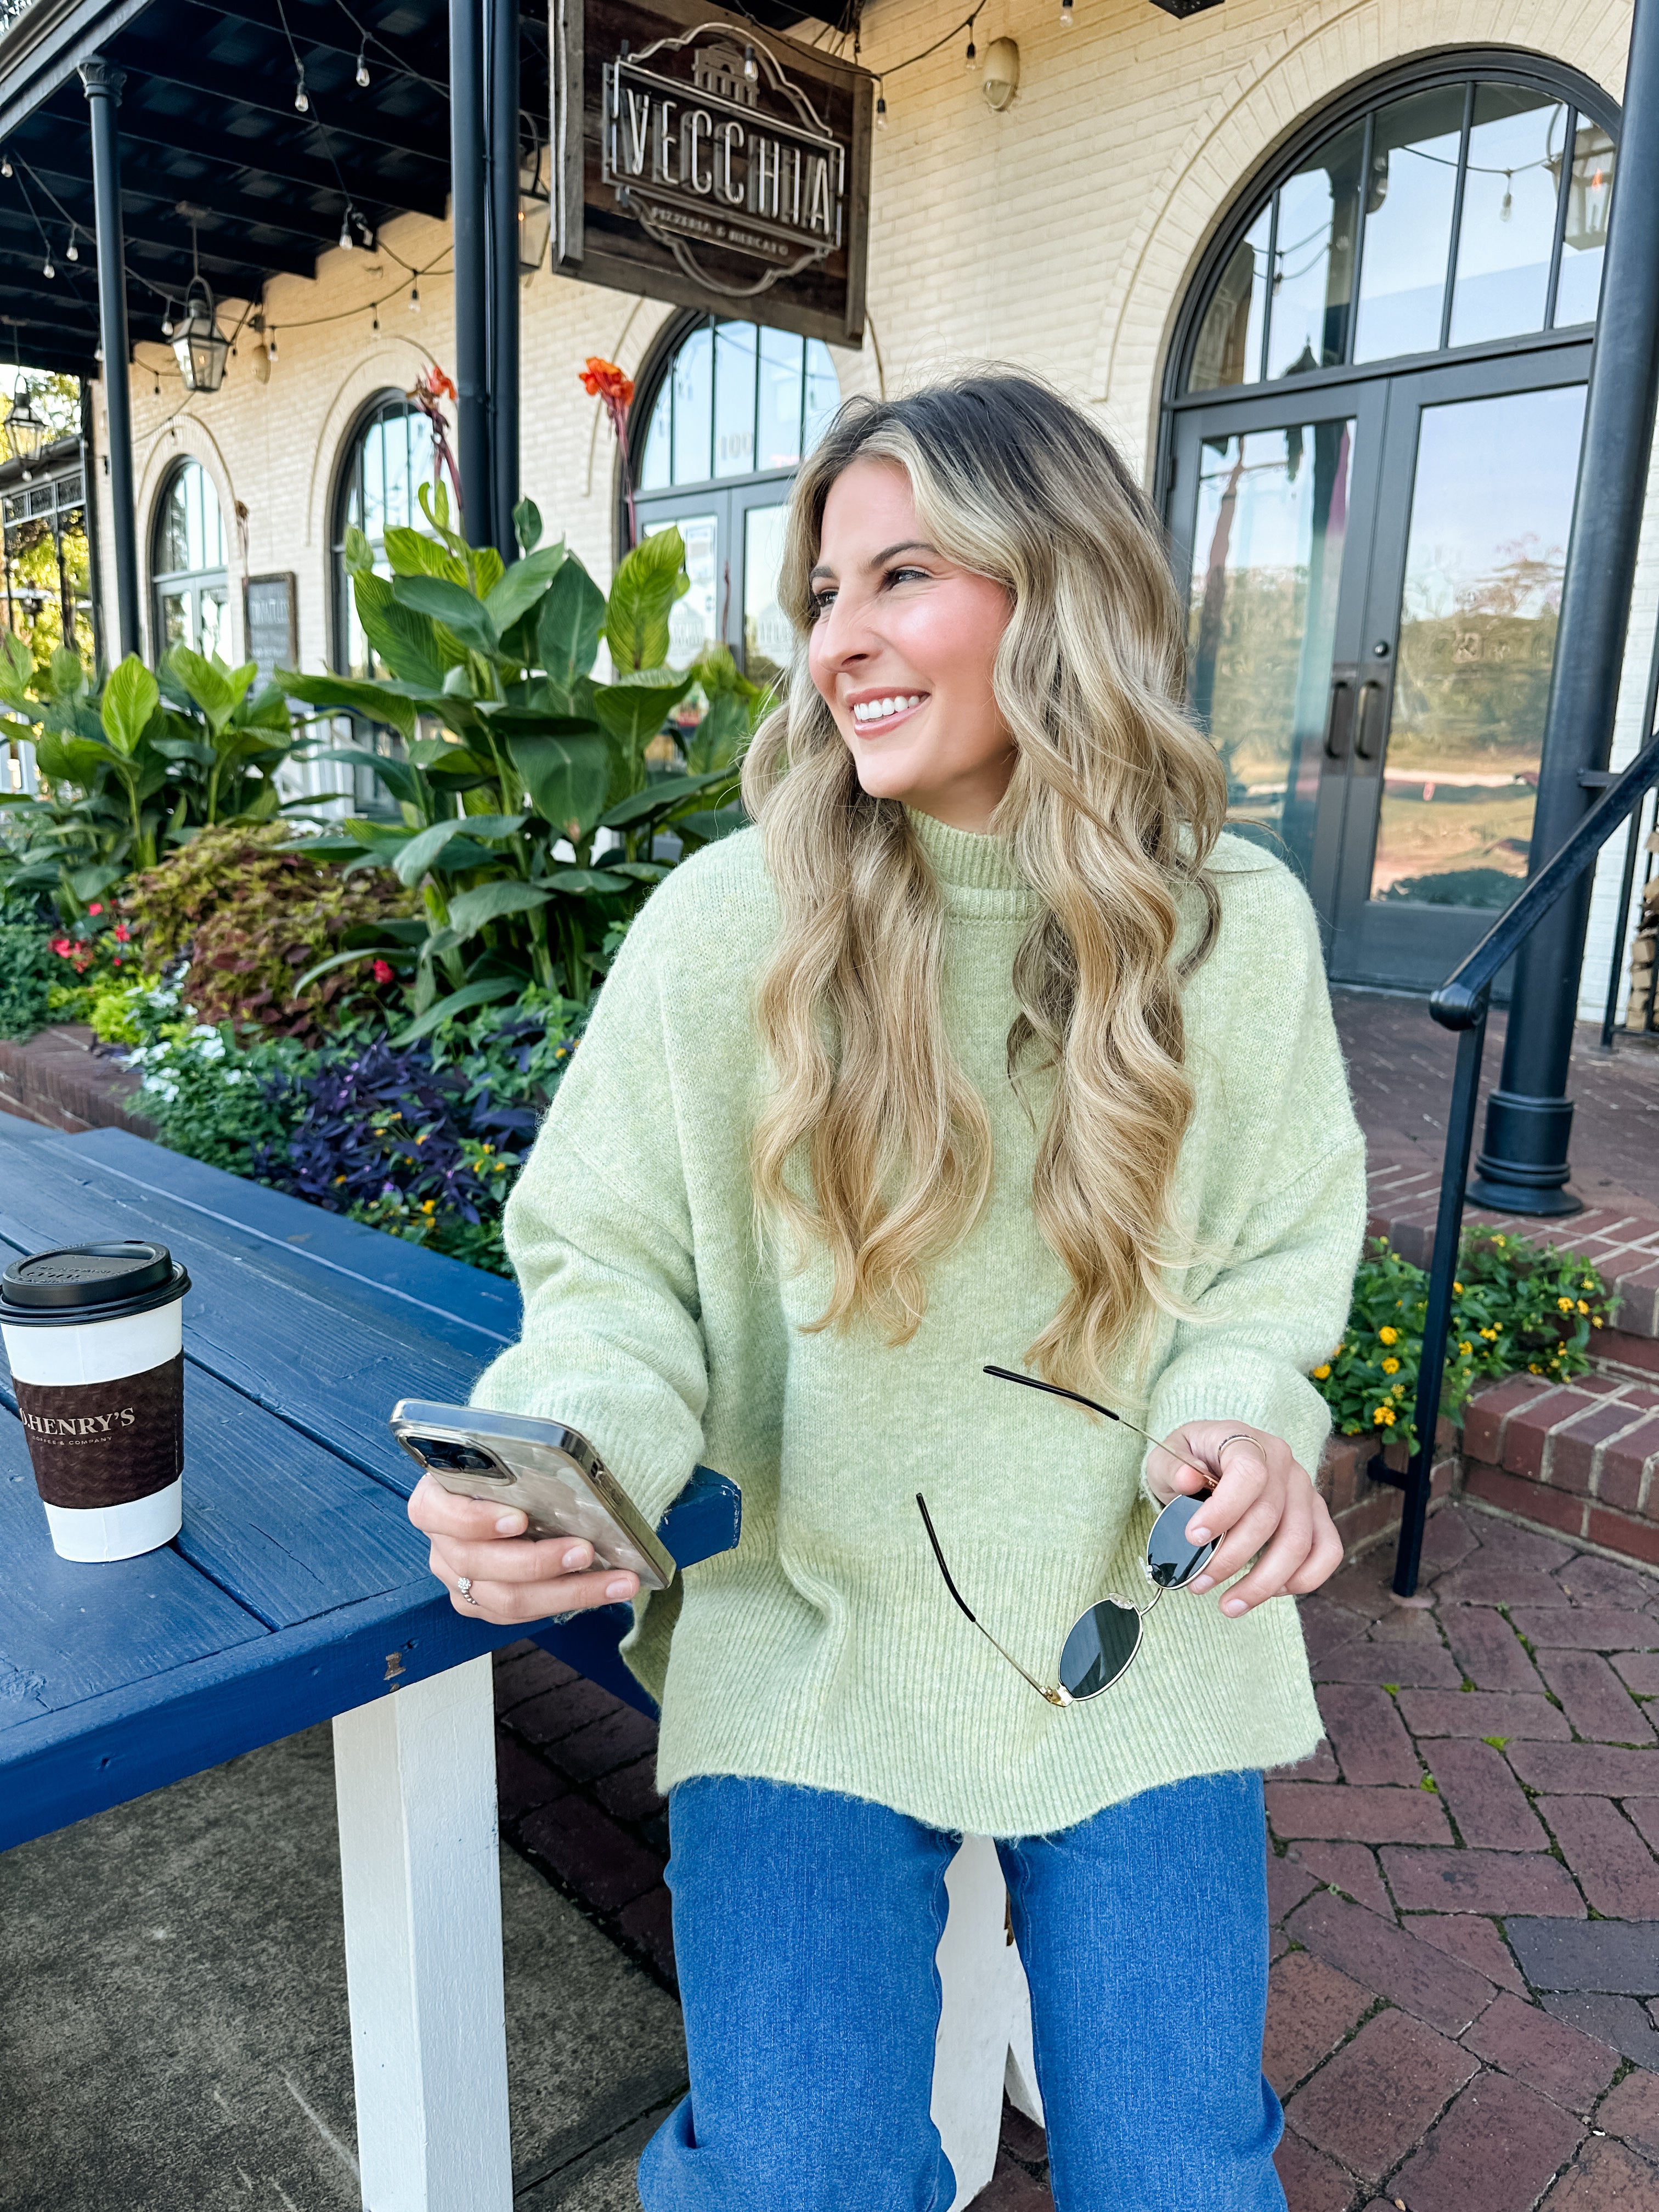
<point x="976" y="873"/>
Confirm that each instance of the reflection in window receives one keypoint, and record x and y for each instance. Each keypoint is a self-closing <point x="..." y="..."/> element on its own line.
<point x="1509" y="168"/>
<point x="768" y="640"/>
<point x="1510" y="193"/>
<point x="1273" y="510"/>
<point x="390" y="456"/>
<point x="693" y="620"/>
<point x="1491" y="507"/>
<point x="1409" y="223"/>
<point x="187" y="565"/>
<point x="740" y="400"/>
<point x="1313" y="257"/>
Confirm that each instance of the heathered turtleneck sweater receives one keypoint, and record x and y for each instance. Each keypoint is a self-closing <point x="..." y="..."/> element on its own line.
<point x="825" y="1651"/>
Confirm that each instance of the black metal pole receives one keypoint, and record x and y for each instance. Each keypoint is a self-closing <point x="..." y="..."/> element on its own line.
<point x="95" y="564"/>
<point x="1522" y="1166"/>
<point x="503" y="114"/>
<point x="469" y="190"/>
<point x="103" y="89"/>
<point x="1436" y="1322"/>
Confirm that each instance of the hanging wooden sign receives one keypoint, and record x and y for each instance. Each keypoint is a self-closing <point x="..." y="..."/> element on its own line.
<point x="700" y="160"/>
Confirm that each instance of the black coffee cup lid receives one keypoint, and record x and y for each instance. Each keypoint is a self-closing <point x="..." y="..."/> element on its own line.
<point x="91" y="1282"/>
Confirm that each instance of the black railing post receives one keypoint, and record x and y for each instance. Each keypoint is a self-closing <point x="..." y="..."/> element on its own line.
<point x="102" y="86"/>
<point x="1522" y="1167"/>
<point x="469" y="189"/>
<point x="502" y="38"/>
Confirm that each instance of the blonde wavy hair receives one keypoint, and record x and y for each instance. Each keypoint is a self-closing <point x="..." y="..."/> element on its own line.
<point x="1113" y="810"/>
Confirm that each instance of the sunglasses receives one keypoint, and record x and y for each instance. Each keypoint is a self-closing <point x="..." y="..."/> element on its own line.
<point x="1103" y="1641"/>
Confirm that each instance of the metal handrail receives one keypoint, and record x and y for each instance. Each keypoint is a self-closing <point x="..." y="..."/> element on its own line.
<point x="1461" y="1003"/>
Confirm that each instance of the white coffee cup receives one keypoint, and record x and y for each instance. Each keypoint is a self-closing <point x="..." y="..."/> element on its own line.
<point x="93" y="1334"/>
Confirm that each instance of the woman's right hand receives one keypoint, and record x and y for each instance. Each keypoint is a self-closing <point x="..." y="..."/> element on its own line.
<point x="513" y="1577"/>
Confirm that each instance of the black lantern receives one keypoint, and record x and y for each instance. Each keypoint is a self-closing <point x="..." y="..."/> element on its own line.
<point x="198" y="341"/>
<point x="25" y="428"/>
<point x="535" y="216"/>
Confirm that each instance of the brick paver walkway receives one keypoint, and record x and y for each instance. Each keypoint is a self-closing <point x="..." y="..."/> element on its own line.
<point x="1465" y="1904"/>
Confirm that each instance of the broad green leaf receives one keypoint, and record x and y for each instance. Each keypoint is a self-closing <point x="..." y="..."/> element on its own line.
<point x="375" y="702"/>
<point x="87" y="882"/>
<point x="409" y="643"/>
<point x="266" y="709"/>
<point x="413" y="859"/>
<point x="633" y="712"/>
<point x="471" y="910"/>
<point x="585" y="880"/>
<point x="566" y="779"/>
<point x="394" y="774"/>
<point x="216" y="689"/>
<point x="492" y="828"/>
<point x="412" y="553"/>
<point x="130" y="697"/>
<point x="661" y="798"/>
<point x="570" y="625"/>
<point x="462" y="615"/>
<point x="341" y="960"/>
<point x="16" y="669"/>
<point x="642" y="871"/>
<point x="721" y="734"/>
<point x="718" y="822"/>
<point x="489" y="568"/>
<point x="645" y="587"/>
<point x="527" y="524"/>
<point x="523" y="584"/>
<point x="357" y="553"/>
<point x="69" y="677"/>
<point x="72" y="760"/>
<point x="430" y="752"/>
<point x="457" y="1002"/>
<point x="186" y="749"/>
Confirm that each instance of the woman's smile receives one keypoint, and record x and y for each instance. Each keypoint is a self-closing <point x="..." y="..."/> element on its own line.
<point x="877" y="710"/>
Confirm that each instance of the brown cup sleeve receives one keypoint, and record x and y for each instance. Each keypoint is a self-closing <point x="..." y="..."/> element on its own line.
<point x="107" y="1443"/>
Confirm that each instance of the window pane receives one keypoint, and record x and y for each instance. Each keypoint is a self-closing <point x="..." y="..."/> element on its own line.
<point x="1491" y="507"/>
<point x="657" y="466"/>
<point x="734" y="398"/>
<point x="1589" y="191"/>
<point x="215" y="625"/>
<point x="399" y="499"/>
<point x="172" y="554"/>
<point x="777" y="444"/>
<point x="1508" y="229"/>
<point x="374" y="514"/>
<point x="1229" y="348"/>
<point x="175" y="619"/>
<point x="1313" y="258"/>
<point x="693" y="620"/>
<point x="768" y="641"/>
<point x="1273" y="510"/>
<point x="1413" y="182"/>
<point x="823" y="393"/>
<point x="694" y="412"/>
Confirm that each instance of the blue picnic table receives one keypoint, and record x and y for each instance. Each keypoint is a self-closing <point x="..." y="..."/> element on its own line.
<point x="296" y="1592"/>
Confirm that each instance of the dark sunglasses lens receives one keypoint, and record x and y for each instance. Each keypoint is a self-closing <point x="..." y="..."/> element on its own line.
<point x="1099" y="1647"/>
<point x="1171" y="1558"/>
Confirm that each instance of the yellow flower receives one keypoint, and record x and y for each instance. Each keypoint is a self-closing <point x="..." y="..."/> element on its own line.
<point x="1458" y="1287"/>
<point x="1391" y="1367"/>
<point x="1490" y="1335"/>
<point x="1399" y="1389"/>
<point x="1466" y="1349"/>
<point x="1533" y="1368"/>
<point x="1389" y="1335"/>
<point x="1384" y="1417"/>
<point x="1583" y="1307"/>
<point x="429" y="1206"/>
<point x="1565" y="1304"/>
<point x="1320" y="1373"/>
<point x="1596" y="1321"/>
<point x="339" y="1179"/>
<point x="1500" y="1240"/>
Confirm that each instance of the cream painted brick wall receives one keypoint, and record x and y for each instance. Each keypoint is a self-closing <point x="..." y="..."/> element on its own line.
<point x="1060" y="235"/>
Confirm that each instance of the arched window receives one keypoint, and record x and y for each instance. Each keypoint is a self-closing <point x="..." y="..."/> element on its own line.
<point x="191" y="583"/>
<point x="729" y="411"/>
<point x="1371" y="430"/>
<point x="388" y="456"/>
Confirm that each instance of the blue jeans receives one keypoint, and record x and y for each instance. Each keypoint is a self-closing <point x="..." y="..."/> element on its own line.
<point x="805" y="1929"/>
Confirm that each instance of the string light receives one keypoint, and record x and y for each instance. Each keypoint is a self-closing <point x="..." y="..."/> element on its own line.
<point x="5" y="165"/>
<point x="271" y="349"/>
<point x="47" y="270"/>
<point x="166" y="321"/>
<point x="362" y="65"/>
<point x="750" y="66"/>
<point x="376" y="326"/>
<point x="972" y="57"/>
<point x="301" y="97"/>
<point x="414" y="298"/>
<point x="346" y="239"/>
<point x="1503" y="212"/>
<point x="881" y="112"/>
<point x="74" y="250"/>
<point x="1065" y="14"/>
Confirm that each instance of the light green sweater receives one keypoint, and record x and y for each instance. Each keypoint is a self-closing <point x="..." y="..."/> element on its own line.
<point x="825" y="1651"/>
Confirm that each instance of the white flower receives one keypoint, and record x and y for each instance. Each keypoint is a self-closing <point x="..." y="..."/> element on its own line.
<point x="235" y="1075"/>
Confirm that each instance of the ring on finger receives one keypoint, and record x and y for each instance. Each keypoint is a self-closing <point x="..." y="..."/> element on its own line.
<point x="464" y="1586"/>
<point x="1239" y="1436"/>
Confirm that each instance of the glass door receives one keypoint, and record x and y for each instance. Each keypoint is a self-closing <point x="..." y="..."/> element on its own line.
<point x="1461" y="604"/>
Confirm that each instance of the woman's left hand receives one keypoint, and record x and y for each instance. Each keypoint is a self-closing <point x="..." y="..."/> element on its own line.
<point x="1264" y="1506"/>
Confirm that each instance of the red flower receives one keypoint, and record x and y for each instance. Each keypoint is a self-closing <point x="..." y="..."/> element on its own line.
<point x="603" y="379"/>
<point x="122" y="932"/>
<point x="61" y="947"/>
<point x="432" y="385"/>
<point x="96" y="907"/>
<point x="382" y="974"/>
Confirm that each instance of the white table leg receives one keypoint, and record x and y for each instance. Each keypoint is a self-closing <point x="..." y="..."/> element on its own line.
<point x="985" y="2020"/>
<point x="415" y="1782"/>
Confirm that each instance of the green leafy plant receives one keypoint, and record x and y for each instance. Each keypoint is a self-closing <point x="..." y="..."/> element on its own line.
<point x="28" y="972"/>
<point x="252" y="915"/>
<point x="514" y="751"/>
<point x="133" y="768"/>
<point x="1516" y="1308"/>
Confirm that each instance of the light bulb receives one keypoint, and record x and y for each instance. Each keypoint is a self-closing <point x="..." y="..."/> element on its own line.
<point x="47" y="270"/>
<point x="751" y="67"/>
<point x="414" y="298"/>
<point x="166" y="321"/>
<point x="74" y="251"/>
<point x="1503" y="212"/>
<point x="1065" y="14"/>
<point x="375" y="325"/>
<point x="270" y="350"/>
<point x="362" y="71"/>
<point x="5" y="165"/>
<point x="301" y="97"/>
<point x="881" y="114"/>
<point x="971" y="58"/>
<point x="345" y="234"/>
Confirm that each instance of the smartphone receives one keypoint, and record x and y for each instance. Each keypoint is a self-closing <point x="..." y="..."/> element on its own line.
<point x="550" y="1472"/>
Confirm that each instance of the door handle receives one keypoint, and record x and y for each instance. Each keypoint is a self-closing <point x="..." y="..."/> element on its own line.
<point x="1370" y="692"/>
<point x="1338" y="716"/>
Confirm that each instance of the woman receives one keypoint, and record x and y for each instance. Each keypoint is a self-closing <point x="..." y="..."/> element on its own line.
<point x="984" y="1046"/>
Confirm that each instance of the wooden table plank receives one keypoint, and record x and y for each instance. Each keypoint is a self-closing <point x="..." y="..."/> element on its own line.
<point x="70" y="1632"/>
<point x="318" y="1364"/>
<point x="476" y="1311"/>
